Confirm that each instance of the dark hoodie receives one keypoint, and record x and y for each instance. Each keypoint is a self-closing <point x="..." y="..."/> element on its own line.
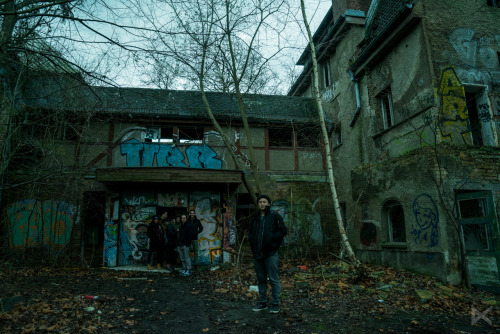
<point x="266" y="239"/>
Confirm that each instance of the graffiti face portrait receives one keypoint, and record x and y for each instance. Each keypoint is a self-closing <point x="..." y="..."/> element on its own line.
<point x="425" y="211"/>
<point x="427" y="217"/>
<point x="142" y="234"/>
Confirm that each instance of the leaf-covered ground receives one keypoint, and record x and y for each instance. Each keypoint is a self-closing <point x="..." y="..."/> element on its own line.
<point x="323" y="298"/>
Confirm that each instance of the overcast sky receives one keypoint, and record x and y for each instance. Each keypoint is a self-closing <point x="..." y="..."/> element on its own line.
<point x="116" y="65"/>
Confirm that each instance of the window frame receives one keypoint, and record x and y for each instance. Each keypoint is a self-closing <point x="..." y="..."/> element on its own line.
<point x="337" y="135"/>
<point x="276" y="141"/>
<point x="387" y="210"/>
<point x="308" y="137"/>
<point x="174" y="135"/>
<point x="327" y="74"/>
<point x="386" y="108"/>
<point x="198" y="137"/>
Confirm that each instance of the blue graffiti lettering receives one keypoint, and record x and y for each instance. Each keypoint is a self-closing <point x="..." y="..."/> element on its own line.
<point x="148" y="155"/>
<point x="142" y="155"/>
<point x="203" y="157"/>
<point x="132" y="149"/>
<point x="169" y="156"/>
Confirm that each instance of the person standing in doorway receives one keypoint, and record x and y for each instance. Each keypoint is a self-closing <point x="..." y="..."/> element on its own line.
<point x="157" y="243"/>
<point x="197" y="229"/>
<point x="172" y="230"/>
<point x="185" y="238"/>
<point x="266" y="234"/>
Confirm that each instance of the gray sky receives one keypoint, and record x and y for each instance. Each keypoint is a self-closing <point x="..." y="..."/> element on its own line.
<point x="117" y="66"/>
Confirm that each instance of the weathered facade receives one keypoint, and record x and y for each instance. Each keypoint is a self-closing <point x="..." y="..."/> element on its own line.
<point x="137" y="153"/>
<point x="413" y="87"/>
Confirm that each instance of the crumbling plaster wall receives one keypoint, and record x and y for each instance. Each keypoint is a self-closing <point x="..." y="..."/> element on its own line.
<point x="341" y="109"/>
<point x="404" y="71"/>
<point x="408" y="179"/>
<point x="431" y="231"/>
<point x="465" y="34"/>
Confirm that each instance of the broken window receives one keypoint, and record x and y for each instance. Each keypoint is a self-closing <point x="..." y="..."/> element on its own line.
<point x="385" y="100"/>
<point x="473" y="213"/>
<point x="159" y="135"/>
<point x="308" y="137"/>
<point x="337" y="135"/>
<point x="480" y="115"/>
<point x="327" y="74"/>
<point x="393" y="215"/>
<point x="475" y="124"/>
<point x="151" y="135"/>
<point x="166" y="135"/>
<point x="190" y="135"/>
<point x="281" y="137"/>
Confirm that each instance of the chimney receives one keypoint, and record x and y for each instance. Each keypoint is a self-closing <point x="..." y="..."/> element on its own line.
<point x="340" y="6"/>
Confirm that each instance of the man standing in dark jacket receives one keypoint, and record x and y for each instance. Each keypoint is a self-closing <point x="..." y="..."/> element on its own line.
<point x="157" y="242"/>
<point x="185" y="239"/>
<point x="267" y="231"/>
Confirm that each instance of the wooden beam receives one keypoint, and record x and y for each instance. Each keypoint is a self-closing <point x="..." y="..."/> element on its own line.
<point x="167" y="175"/>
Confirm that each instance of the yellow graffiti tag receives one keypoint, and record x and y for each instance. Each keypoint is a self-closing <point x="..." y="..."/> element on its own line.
<point x="453" y="119"/>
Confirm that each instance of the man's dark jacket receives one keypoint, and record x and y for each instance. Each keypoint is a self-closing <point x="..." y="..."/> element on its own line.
<point x="197" y="227"/>
<point x="186" y="232"/>
<point x="155" y="234"/>
<point x="271" y="236"/>
<point x="171" y="234"/>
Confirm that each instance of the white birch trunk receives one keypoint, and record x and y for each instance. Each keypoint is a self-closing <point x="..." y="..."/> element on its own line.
<point x="328" y="156"/>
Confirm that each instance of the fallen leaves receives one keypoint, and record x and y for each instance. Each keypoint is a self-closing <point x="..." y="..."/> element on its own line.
<point x="319" y="291"/>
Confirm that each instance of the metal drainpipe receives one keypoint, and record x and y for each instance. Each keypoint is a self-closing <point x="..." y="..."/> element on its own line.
<point x="358" y="99"/>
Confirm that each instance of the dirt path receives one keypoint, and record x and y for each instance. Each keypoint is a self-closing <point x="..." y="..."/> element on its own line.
<point x="155" y="302"/>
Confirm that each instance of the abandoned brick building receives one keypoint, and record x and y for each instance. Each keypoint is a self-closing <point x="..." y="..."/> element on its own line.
<point x="413" y="88"/>
<point x="119" y="156"/>
<point x="413" y="92"/>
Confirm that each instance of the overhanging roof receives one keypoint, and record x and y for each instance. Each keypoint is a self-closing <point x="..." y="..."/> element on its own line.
<point x="167" y="175"/>
<point x="58" y="94"/>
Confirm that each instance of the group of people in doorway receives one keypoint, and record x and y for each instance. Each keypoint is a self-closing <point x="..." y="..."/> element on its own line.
<point x="266" y="234"/>
<point x="169" y="237"/>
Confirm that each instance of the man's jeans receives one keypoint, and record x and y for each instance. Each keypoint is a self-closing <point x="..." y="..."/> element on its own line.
<point x="184" y="255"/>
<point x="268" y="266"/>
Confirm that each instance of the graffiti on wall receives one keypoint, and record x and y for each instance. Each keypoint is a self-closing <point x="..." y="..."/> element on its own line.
<point x="110" y="243"/>
<point x="34" y="223"/>
<point x="426" y="214"/>
<point x="110" y="246"/>
<point x="175" y="199"/>
<point x="139" y="199"/>
<point x="237" y="148"/>
<point x="134" y="241"/>
<point x="207" y="208"/>
<point x="304" y="222"/>
<point x="453" y="118"/>
<point x="143" y="155"/>
<point x="229" y="227"/>
<point x="478" y="54"/>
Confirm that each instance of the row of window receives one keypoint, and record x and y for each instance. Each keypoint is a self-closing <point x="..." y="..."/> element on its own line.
<point x="278" y="137"/>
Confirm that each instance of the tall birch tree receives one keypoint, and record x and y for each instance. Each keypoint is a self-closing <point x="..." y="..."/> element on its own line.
<point x="346" y="245"/>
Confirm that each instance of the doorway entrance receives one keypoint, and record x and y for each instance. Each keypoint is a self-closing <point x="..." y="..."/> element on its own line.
<point x="479" y="228"/>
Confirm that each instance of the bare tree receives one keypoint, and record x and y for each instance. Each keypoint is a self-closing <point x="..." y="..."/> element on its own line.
<point x="221" y="44"/>
<point x="346" y="246"/>
<point x="50" y="47"/>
